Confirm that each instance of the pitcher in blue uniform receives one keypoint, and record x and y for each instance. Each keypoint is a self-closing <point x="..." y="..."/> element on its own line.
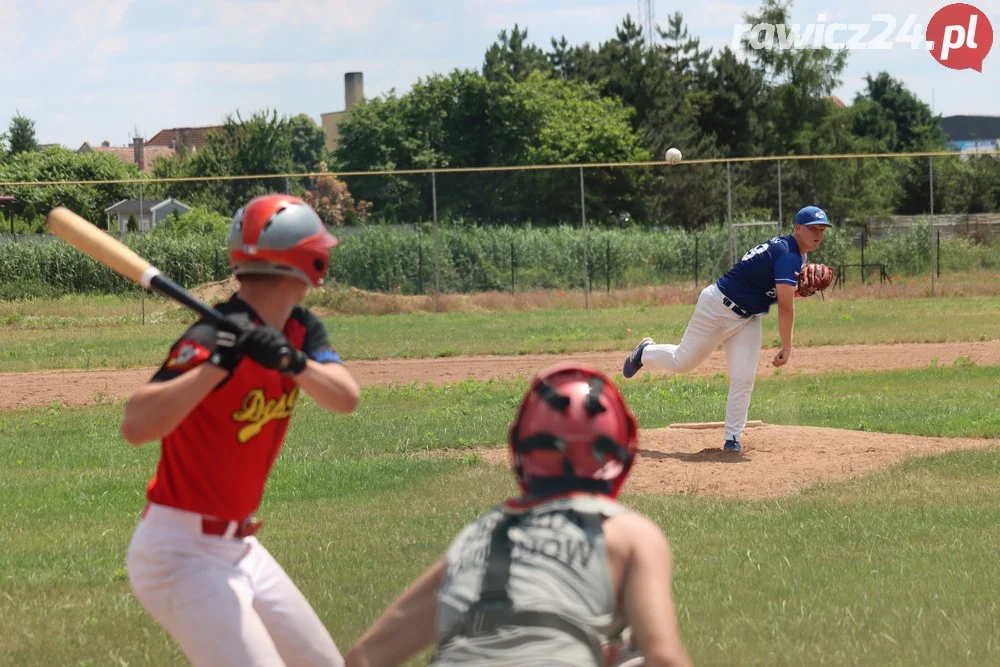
<point x="729" y="313"/>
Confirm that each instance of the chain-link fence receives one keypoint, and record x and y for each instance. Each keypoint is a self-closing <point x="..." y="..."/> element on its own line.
<point x="582" y="227"/>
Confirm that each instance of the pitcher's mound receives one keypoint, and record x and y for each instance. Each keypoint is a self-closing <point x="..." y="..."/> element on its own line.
<point x="776" y="460"/>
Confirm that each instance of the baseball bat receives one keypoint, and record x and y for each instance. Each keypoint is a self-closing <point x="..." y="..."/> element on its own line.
<point x="114" y="254"/>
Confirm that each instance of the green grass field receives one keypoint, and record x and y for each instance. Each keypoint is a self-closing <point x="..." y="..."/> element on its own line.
<point x="896" y="569"/>
<point x="65" y="338"/>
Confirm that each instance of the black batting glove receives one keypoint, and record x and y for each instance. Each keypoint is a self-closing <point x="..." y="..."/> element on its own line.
<point x="271" y="349"/>
<point x="229" y="343"/>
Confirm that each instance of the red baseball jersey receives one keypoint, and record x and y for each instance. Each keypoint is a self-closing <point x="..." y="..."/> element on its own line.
<point x="217" y="460"/>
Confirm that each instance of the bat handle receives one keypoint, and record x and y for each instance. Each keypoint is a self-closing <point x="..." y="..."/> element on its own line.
<point x="285" y="360"/>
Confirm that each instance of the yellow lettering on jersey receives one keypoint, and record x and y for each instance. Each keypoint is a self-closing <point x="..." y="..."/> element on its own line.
<point x="258" y="412"/>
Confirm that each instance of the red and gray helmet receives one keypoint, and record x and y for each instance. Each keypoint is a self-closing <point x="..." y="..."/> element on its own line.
<point x="573" y="432"/>
<point x="280" y="235"/>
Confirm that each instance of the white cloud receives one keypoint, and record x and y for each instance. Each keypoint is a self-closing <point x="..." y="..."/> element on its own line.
<point x="108" y="46"/>
<point x="317" y="21"/>
<point x="11" y="35"/>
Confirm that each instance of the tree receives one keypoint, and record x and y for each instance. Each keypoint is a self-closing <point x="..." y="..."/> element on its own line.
<point x="22" y="134"/>
<point x="734" y="104"/>
<point x="512" y="57"/>
<point x="892" y="115"/>
<point x="60" y="164"/>
<point x="308" y="143"/>
<point x="465" y="120"/>
<point x="260" y="144"/>
<point x="801" y="80"/>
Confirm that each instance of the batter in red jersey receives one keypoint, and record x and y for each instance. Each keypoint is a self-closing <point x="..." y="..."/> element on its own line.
<point x="220" y="404"/>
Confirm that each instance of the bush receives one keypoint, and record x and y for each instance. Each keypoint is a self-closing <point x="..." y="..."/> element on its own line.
<point x="199" y="221"/>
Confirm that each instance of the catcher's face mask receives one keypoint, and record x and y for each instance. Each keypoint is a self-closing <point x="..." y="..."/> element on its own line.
<point x="574" y="428"/>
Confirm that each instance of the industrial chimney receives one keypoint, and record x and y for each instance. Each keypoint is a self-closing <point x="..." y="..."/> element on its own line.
<point x="140" y="158"/>
<point x="354" y="90"/>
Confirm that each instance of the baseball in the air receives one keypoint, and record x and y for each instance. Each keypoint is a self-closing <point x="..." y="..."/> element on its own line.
<point x="673" y="156"/>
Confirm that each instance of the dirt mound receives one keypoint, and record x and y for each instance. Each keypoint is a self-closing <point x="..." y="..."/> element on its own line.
<point x="215" y="292"/>
<point x="776" y="460"/>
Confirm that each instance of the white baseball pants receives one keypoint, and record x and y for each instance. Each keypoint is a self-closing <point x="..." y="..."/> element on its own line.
<point x="712" y="325"/>
<point x="224" y="601"/>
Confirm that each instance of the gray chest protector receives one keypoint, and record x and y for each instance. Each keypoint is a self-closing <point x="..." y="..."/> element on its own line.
<point x="529" y="587"/>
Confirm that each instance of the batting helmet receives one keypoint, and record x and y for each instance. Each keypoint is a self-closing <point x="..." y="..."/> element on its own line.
<point x="573" y="432"/>
<point x="280" y="235"/>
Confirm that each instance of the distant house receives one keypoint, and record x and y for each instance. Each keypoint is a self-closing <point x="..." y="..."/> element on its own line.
<point x="972" y="134"/>
<point x="191" y="138"/>
<point x="139" y="154"/>
<point x="148" y="212"/>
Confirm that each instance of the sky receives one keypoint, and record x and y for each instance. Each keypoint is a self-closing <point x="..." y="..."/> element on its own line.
<point x="96" y="70"/>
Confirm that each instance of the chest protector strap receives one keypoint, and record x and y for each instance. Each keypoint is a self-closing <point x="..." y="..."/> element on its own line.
<point x="494" y="609"/>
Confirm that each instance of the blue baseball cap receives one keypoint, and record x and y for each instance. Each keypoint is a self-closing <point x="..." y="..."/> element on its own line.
<point x="812" y="215"/>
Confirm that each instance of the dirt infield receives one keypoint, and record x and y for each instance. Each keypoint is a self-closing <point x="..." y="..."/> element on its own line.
<point x="776" y="461"/>
<point x="21" y="390"/>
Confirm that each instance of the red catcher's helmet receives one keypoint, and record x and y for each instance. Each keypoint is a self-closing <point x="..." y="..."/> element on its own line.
<point x="573" y="432"/>
<point x="280" y="235"/>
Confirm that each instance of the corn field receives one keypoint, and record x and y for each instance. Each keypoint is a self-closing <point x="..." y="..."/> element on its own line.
<point x="482" y="259"/>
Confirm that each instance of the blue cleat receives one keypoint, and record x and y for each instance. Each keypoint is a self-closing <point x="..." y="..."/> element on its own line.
<point x="633" y="362"/>
<point x="732" y="446"/>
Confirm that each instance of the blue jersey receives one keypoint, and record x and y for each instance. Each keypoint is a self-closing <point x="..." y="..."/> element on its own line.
<point x="752" y="283"/>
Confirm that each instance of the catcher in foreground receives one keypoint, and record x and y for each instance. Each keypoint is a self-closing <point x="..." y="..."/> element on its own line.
<point x="553" y="577"/>
<point x="729" y="313"/>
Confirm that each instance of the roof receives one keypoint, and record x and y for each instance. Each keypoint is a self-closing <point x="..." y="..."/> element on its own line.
<point x="965" y="128"/>
<point x="171" y="138"/>
<point x="127" y="153"/>
<point x="148" y="205"/>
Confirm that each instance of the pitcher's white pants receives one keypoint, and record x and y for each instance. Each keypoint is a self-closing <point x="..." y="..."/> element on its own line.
<point x="712" y="325"/>
<point x="224" y="601"/>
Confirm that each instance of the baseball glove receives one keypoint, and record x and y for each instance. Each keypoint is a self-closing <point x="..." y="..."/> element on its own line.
<point x="815" y="278"/>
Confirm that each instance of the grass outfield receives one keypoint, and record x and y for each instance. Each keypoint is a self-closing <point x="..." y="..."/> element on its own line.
<point x="899" y="568"/>
<point x="60" y="339"/>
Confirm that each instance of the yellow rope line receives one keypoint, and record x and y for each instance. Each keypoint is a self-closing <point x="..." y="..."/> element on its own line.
<point x="530" y="167"/>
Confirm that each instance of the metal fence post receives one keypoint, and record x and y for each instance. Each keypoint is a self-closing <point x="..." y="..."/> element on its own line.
<point x="696" y="262"/>
<point x="512" y="260"/>
<point x="142" y="252"/>
<point x="437" y="251"/>
<point x="729" y="213"/>
<point x="607" y="264"/>
<point x="930" y="167"/>
<point x="781" y="220"/>
<point x="586" y="270"/>
<point x="864" y="239"/>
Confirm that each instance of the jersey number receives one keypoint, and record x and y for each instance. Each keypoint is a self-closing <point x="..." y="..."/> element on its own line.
<point x="756" y="251"/>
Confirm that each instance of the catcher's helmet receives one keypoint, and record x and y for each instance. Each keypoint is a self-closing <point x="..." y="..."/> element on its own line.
<point x="573" y="432"/>
<point x="280" y="235"/>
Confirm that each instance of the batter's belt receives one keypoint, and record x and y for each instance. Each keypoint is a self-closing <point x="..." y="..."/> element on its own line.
<point x="236" y="530"/>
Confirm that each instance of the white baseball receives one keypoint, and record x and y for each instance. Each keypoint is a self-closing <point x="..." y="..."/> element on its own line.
<point x="673" y="156"/>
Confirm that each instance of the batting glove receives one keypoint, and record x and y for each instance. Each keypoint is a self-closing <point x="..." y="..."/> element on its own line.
<point x="271" y="349"/>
